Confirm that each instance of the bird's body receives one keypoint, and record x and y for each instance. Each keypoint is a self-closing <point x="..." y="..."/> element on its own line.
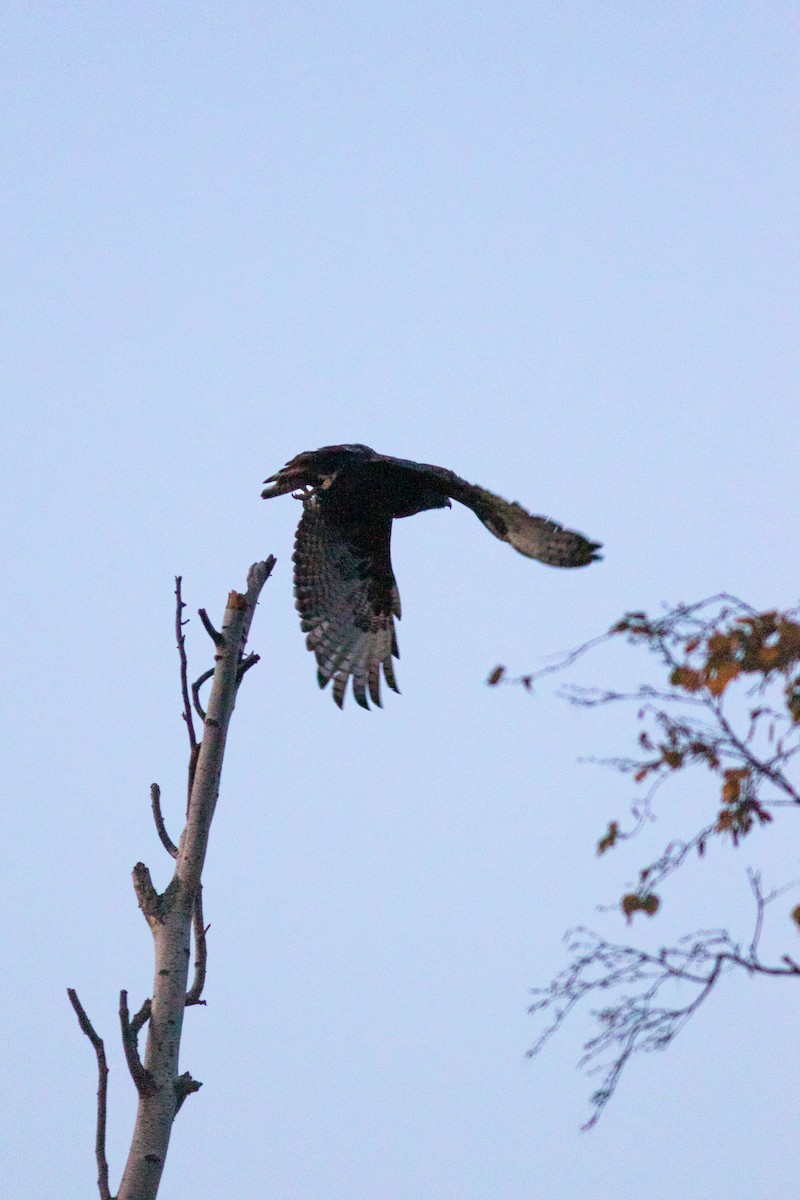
<point x="345" y="588"/>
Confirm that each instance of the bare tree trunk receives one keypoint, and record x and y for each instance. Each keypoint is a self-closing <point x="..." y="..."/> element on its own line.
<point x="171" y="915"/>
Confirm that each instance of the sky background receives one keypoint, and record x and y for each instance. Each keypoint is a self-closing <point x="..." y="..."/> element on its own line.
<point x="552" y="246"/>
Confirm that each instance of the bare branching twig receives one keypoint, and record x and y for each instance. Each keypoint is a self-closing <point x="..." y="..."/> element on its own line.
<point x="633" y="1019"/>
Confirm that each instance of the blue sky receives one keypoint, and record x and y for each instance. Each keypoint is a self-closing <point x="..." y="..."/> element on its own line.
<point x="551" y="246"/>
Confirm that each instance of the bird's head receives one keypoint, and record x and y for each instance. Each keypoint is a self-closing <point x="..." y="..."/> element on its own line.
<point x="313" y="468"/>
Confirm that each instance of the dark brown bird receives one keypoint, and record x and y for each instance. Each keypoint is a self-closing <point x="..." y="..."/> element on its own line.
<point x="344" y="585"/>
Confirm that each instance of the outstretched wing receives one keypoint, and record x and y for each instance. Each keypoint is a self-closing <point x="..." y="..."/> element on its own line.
<point x="347" y="598"/>
<point x="535" y="537"/>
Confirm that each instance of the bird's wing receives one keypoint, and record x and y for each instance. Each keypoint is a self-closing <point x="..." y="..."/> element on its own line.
<point x="347" y="598"/>
<point x="535" y="537"/>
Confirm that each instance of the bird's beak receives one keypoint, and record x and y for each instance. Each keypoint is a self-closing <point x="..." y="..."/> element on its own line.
<point x="272" y="478"/>
<point x="282" y="482"/>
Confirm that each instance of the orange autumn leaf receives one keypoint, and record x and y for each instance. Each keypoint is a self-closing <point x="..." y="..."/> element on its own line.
<point x="687" y="678"/>
<point x="731" y="791"/>
<point x="634" y="902"/>
<point x="720" y="645"/>
<point x="609" y="839"/>
<point x="722" y="676"/>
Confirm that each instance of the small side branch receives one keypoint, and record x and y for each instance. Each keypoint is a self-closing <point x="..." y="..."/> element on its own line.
<point x="181" y="640"/>
<point x="213" y="633"/>
<point x="139" y="1019"/>
<point x="201" y="952"/>
<point x="145" y="1084"/>
<point x="198" y="683"/>
<point x="158" y="817"/>
<point x="102" y="1093"/>
<point x="184" y="1086"/>
<point x="146" y="894"/>
<point x="245" y="665"/>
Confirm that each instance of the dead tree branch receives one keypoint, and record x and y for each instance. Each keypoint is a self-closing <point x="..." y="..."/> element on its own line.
<point x="216" y="637"/>
<point x="145" y="1084"/>
<point x="177" y="909"/>
<point x="181" y="640"/>
<point x="184" y="1086"/>
<point x="247" y="663"/>
<point x="158" y="817"/>
<point x="200" y="951"/>
<point x="177" y="913"/>
<point x="198" y="683"/>
<point x="146" y="894"/>
<point x="140" y="1019"/>
<point x="102" y="1093"/>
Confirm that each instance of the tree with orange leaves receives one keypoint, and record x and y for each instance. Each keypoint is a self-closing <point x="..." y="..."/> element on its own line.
<point x="730" y="706"/>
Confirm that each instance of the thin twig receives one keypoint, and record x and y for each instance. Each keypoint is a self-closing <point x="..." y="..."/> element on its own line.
<point x="179" y="634"/>
<point x="761" y="768"/>
<point x="141" y="1017"/>
<point x="201" y="951"/>
<point x="158" y="817"/>
<point x="213" y="633"/>
<point x="246" y="664"/>
<point x="184" y="1086"/>
<point x="198" y="683"/>
<point x="145" y="1084"/>
<point x="194" y="755"/>
<point x="102" y="1093"/>
<point x="754" y="879"/>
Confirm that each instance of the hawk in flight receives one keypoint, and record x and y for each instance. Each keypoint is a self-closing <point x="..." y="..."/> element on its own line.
<point x="344" y="585"/>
